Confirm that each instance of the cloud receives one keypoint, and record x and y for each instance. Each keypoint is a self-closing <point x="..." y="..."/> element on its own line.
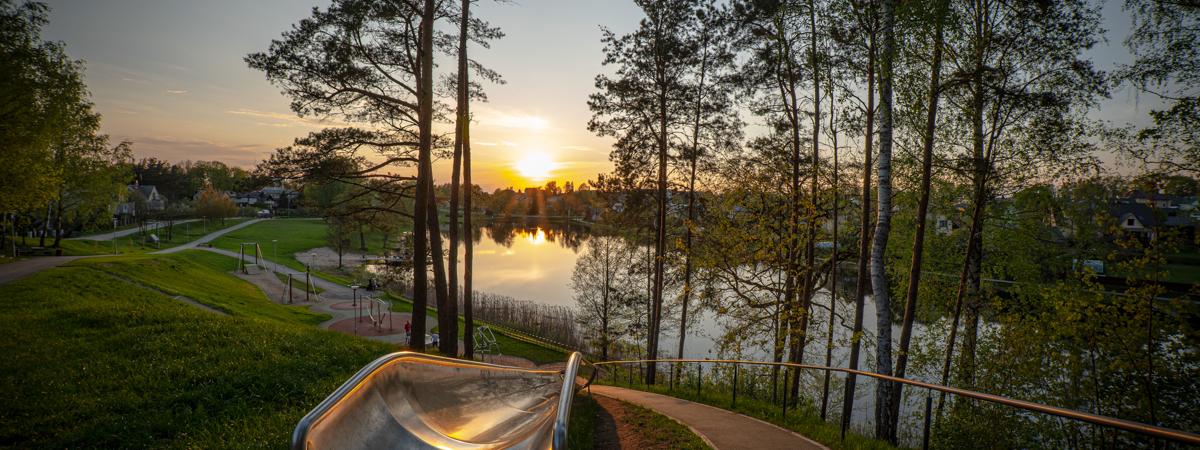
<point x="121" y="111"/>
<point x="133" y="80"/>
<point x="492" y="117"/>
<point x="510" y="144"/>
<point x="291" y="118"/>
<point x="576" y="147"/>
<point x="176" y="92"/>
<point x="487" y="144"/>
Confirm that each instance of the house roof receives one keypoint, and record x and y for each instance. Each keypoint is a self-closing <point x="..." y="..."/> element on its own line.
<point x="147" y="191"/>
<point x="1152" y="196"/>
<point x="1143" y="213"/>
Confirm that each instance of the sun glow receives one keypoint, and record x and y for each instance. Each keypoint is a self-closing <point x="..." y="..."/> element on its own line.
<point x="536" y="167"/>
<point x="536" y="238"/>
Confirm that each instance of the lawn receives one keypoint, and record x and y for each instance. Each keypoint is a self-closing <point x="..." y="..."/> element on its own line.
<point x="94" y="362"/>
<point x="201" y="276"/>
<point x="294" y="236"/>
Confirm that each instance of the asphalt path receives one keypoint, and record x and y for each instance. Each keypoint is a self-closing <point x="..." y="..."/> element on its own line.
<point x="17" y="270"/>
<point x="723" y="430"/>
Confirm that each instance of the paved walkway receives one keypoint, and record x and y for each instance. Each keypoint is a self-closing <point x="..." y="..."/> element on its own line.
<point x="208" y="238"/>
<point x="723" y="430"/>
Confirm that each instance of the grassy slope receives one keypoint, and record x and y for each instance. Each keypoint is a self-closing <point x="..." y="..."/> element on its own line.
<point x="201" y="276"/>
<point x="93" y="362"/>
<point x="132" y="244"/>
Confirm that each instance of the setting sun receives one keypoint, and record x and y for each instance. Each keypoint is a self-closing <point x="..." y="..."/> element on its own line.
<point x="536" y="166"/>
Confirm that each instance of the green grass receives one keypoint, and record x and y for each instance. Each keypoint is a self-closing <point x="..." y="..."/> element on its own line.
<point x="805" y="422"/>
<point x="93" y="362"/>
<point x="201" y="276"/>
<point x="581" y="430"/>
<point x="298" y="283"/>
<point x="660" y="429"/>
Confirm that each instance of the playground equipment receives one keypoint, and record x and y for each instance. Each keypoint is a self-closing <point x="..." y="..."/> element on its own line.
<point x="485" y="342"/>
<point x="310" y="291"/>
<point x="412" y="400"/>
<point x="242" y="256"/>
<point x="379" y="310"/>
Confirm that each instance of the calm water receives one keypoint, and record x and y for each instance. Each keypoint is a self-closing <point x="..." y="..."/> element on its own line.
<point x="535" y="262"/>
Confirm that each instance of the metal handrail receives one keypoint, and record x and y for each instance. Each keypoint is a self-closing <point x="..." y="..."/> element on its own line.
<point x="1135" y="427"/>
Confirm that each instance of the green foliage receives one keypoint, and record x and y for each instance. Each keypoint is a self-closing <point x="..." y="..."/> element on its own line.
<point x="96" y="362"/>
<point x="214" y="205"/>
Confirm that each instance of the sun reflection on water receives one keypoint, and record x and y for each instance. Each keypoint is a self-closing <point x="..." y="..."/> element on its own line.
<point x="535" y="238"/>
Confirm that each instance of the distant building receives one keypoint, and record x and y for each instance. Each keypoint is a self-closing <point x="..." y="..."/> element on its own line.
<point x="154" y="201"/>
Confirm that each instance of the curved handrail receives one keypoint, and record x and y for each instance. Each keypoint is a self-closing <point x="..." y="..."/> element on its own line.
<point x="1135" y="427"/>
<point x="414" y="400"/>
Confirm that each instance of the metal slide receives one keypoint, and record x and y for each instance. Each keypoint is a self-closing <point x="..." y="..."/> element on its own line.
<point x="415" y="401"/>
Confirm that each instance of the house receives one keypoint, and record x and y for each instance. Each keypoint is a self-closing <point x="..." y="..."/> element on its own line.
<point x="1137" y="218"/>
<point x="1158" y="199"/>
<point x="153" y="201"/>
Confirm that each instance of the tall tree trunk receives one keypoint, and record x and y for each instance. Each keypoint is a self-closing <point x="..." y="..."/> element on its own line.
<point x="687" y="238"/>
<point x="958" y="304"/>
<point x="864" y="249"/>
<point x="660" y="236"/>
<point x="787" y="87"/>
<point x="918" y="251"/>
<point x="447" y="309"/>
<point x="883" y="228"/>
<point x="421" y="204"/>
<point x="979" y="175"/>
<point x="464" y="108"/>
<point x="834" y="258"/>
<point x="810" y="221"/>
<point x="450" y="344"/>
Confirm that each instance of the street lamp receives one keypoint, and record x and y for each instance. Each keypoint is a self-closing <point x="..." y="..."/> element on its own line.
<point x="205" y="224"/>
<point x="114" y="235"/>
<point x="353" y="290"/>
<point x="314" y="259"/>
<point x="275" y="253"/>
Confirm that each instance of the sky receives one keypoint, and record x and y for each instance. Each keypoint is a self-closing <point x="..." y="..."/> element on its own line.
<point x="169" y="75"/>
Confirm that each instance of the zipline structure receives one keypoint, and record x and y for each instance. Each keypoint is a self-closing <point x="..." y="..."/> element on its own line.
<point x="257" y="252"/>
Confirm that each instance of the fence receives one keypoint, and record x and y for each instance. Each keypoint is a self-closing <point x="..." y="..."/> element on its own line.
<point x="698" y="384"/>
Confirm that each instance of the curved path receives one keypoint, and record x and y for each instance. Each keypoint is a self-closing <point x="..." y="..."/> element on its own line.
<point x="723" y="430"/>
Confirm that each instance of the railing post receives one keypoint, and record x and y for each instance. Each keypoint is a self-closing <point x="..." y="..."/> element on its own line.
<point x="783" y="408"/>
<point x="735" y="385"/>
<point x="928" y="410"/>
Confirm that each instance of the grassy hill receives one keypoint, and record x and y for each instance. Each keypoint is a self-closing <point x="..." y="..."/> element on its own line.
<point x="92" y="361"/>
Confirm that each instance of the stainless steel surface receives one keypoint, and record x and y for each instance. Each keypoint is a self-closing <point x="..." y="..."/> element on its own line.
<point x="1135" y="427"/>
<point x="411" y="400"/>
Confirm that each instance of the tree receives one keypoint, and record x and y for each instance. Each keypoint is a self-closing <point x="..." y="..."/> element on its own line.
<point x="645" y="103"/>
<point x="601" y="285"/>
<point x="214" y="205"/>
<point x="41" y="94"/>
<point x="937" y="15"/>
<point x="337" y="235"/>
<point x="1163" y="39"/>
<point x="883" y="227"/>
